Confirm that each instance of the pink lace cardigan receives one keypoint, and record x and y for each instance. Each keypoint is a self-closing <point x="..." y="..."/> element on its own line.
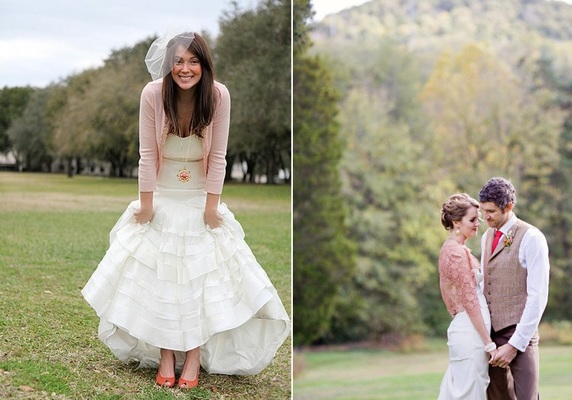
<point x="152" y="135"/>
<point x="457" y="279"/>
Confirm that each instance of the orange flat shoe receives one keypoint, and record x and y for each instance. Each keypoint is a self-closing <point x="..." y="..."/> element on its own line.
<point x="186" y="384"/>
<point x="168" y="382"/>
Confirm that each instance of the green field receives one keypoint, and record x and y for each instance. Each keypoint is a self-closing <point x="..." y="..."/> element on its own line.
<point x="378" y="374"/>
<point x="53" y="232"/>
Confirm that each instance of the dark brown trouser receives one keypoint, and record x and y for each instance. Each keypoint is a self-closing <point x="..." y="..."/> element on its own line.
<point x="520" y="380"/>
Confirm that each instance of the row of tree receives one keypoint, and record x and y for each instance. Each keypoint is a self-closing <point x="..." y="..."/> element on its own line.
<point x="92" y="117"/>
<point x="403" y="134"/>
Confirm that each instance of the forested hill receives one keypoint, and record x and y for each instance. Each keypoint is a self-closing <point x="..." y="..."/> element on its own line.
<point x="436" y="97"/>
<point x="429" y="25"/>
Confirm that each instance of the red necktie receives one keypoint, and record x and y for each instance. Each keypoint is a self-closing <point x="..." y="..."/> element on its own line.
<point x="496" y="239"/>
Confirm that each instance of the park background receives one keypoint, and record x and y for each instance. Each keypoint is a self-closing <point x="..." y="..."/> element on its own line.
<point x="70" y="153"/>
<point x="397" y="105"/>
<point x="87" y="122"/>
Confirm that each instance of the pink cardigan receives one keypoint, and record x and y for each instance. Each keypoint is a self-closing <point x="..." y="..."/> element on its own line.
<point x="152" y="135"/>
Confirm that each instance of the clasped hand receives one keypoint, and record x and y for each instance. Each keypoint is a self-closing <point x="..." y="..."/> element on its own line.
<point x="503" y="356"/>
<point x="143" y="215"/>
<point x="212" y="217"/>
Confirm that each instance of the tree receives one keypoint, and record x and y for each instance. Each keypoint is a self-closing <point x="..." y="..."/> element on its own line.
<point x="95" y="113"/>
<point x="556" y="207"/>
<point x="68" y="109"/>
<point x="31" y="133"/>
<point x="115" y="115"/>
<point x="488" y="120"/>
<point x="392" y="197"/>
<point x="253" y="60"/>
<point x="301" y="12"/>
<point x="323" y="256"/>
<point x="13" y="101"/>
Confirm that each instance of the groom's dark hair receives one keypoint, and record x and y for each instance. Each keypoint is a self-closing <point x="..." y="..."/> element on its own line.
<point x="499" y="191"/>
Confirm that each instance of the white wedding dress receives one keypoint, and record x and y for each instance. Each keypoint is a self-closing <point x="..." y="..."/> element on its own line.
<point x="177" y="284"/>
<point x="467" y="376"/>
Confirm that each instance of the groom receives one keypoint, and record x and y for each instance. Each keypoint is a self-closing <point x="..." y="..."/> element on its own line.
<point x="514" y="260"/>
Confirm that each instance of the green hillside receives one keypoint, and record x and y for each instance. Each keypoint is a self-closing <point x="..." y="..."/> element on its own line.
<point x="510" y="27"/>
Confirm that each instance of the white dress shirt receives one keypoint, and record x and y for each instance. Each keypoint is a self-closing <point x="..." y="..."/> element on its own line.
<point x="533" y="256"/>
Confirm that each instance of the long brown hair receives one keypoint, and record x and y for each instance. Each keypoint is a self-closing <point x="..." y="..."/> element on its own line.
<point x="204" y="106"/>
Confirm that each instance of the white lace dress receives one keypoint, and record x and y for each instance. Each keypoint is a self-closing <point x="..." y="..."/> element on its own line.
<point x="175" y="283"/>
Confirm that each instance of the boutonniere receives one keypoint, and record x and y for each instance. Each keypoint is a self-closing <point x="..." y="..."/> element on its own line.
<point x="508" y="239"/>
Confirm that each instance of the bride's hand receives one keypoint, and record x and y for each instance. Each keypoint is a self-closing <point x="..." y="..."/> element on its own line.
<point x="504" y="356"/>
<point x="212" y="217"/>
<point x="143" y="215"/>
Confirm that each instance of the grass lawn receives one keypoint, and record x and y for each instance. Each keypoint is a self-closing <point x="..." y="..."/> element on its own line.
<point x="53" y="233"/>
<point x="378" y="374"/>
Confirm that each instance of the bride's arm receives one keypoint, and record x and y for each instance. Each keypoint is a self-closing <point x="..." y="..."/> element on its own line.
<point x="464" y="279"/>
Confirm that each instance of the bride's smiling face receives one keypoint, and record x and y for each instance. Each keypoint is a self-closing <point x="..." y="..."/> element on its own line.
<point x="469" y="224"/>
<point x="187" y="69"/>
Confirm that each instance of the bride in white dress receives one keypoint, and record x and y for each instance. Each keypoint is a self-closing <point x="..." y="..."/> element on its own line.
<point x="179" y="288"/>
<point x="469" y="341"/>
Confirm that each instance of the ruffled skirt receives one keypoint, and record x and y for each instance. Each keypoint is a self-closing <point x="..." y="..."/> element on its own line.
<point x="177" y="284"/>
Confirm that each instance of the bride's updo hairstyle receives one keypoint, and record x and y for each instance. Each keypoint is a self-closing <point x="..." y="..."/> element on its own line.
<point x="455" y="208"/>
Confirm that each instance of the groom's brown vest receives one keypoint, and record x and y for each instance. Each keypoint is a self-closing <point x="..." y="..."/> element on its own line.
<point x="505" y="278"/>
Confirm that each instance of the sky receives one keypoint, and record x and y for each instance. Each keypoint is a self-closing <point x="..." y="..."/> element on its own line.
<point x="45" y="41"/>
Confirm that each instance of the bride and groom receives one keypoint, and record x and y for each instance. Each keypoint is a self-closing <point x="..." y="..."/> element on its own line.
<point x="496" y="304"/>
